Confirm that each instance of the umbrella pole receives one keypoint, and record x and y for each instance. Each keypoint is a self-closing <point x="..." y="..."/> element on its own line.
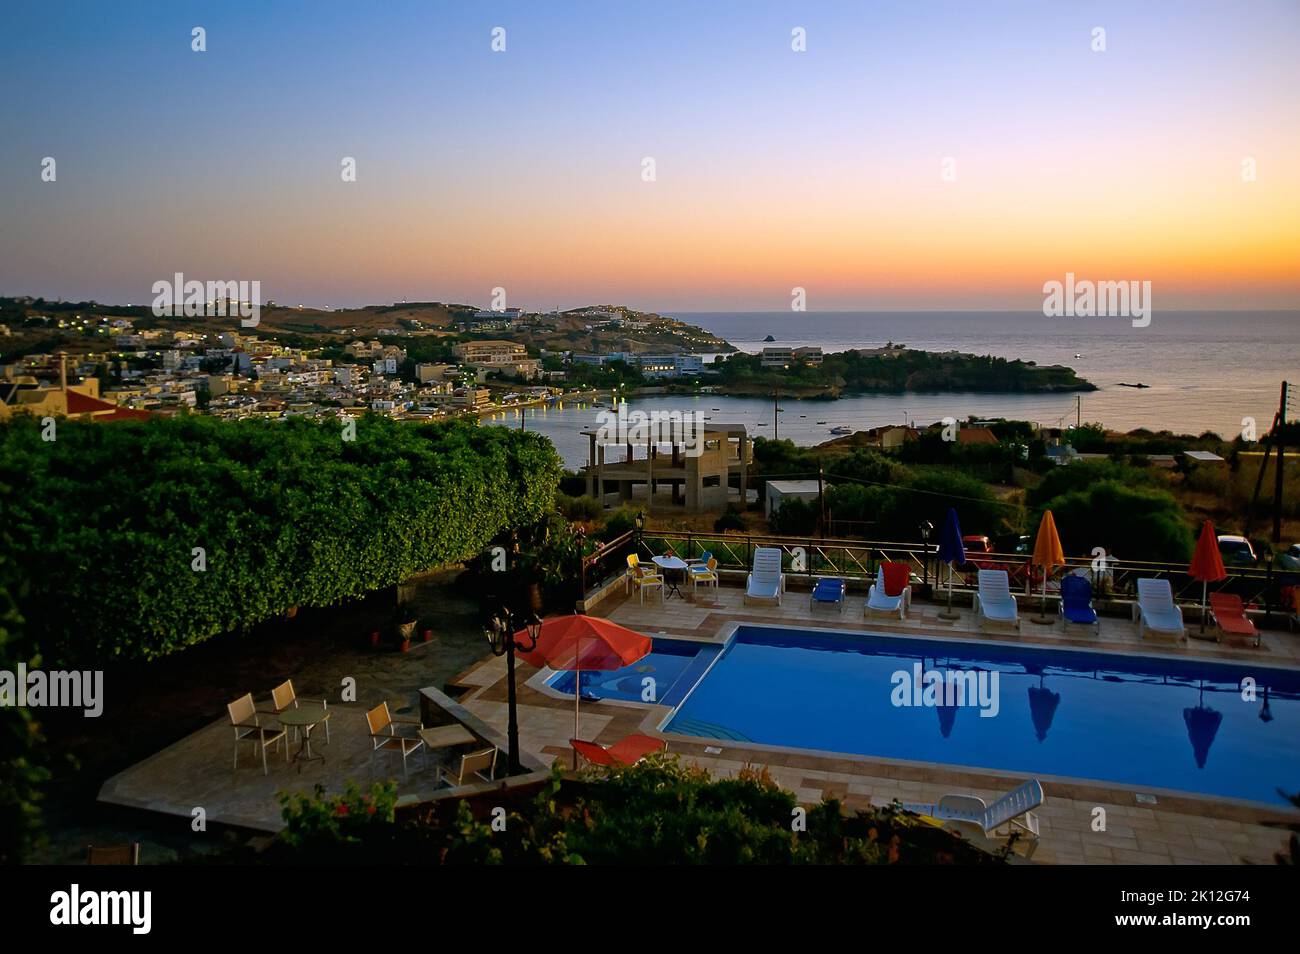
<point x="577" y="699"/>
<point x="1042" y="619"/>
<point x="1205" y="598"/>
<point x="948" y="613"/>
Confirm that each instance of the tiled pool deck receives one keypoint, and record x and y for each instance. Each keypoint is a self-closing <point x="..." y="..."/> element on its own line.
<point x="196" y="770"/>
<point x="1177" y="830"/>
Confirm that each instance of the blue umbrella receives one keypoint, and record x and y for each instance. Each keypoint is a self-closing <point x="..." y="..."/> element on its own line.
<point x="951" y="551"/>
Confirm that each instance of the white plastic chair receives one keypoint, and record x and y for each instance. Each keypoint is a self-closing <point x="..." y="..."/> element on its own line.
<point x="765" y="582"/>
<point x="1155" y="609"/>
<point x="1012" y="812"/>
<point x="994" y="602"/>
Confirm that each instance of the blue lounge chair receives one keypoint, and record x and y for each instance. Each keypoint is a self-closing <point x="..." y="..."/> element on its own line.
<point x="829" y="590"/>
<point x="1076" y="602"/>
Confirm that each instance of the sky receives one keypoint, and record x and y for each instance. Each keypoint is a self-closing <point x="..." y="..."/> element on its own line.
<point x="919" y="155"/>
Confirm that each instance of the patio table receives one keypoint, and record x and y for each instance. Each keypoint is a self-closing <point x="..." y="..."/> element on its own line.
<point x="674" y="563"/>
<point x="305" y="717"/>
<point x="446" y="736"/>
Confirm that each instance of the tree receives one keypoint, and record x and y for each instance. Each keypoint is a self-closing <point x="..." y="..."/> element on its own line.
<point x="1130" y="522"/>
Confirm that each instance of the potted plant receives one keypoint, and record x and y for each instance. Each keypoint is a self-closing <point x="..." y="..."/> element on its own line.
<point x="404" y="623"/>
<point x="426" y="634"/>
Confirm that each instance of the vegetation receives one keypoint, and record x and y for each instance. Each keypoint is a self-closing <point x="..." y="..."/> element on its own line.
<point x="22" y="767"/>
<point x="659" y="812"/>
<point x="899" y="370"/>
<point x="1134" y="523"/>
<point x="141" y="538"/>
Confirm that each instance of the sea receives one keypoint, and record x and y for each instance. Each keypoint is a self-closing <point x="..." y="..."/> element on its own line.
<point x="1203" y="371"/>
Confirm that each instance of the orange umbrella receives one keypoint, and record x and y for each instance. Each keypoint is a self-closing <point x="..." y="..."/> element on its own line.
<point x="1207" y="564"/>
<point x="1047" y="554"/>
<point x="575" y="643"/>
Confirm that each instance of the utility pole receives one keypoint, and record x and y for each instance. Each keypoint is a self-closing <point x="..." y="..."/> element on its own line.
<point x="1277" y="477"/>
<point x="821" y="503"/>
<point x="1078" y="411"/>
<point x="776" y="417"/>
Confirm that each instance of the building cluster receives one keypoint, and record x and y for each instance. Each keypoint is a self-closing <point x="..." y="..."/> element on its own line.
<point x="232" y="374"/>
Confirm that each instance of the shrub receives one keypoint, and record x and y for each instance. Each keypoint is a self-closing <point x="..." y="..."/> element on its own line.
<point x="794" y="517"/>
<point x="658" y="812"/>
<point x="282" y="514"/>
<point x="1133" y="523"/>
<point x="732" y="520"/>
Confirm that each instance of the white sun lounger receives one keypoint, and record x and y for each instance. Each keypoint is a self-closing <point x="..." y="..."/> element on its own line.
<point x="878" y="602"/>
<point x="968" y="814"/>
<point x="766" y="582"/>
<point x="1155" y="609"/>
<point x="994" y="602"/>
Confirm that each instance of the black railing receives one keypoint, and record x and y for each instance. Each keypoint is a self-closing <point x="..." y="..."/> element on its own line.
<point x="859" y="559"/>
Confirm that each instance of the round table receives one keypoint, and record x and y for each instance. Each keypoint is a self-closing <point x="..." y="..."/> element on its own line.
<point x="305" y="717"/>
<point x="667" y="563"/>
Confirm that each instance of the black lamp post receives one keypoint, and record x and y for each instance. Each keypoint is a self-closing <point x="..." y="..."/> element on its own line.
<point x="927" y="528"/>
<point x="500" y="633"/>
<point x="640" y="525"/>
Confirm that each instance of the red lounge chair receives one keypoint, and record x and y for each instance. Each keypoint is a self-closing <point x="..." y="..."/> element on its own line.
<point x="1230" y="616"/>
<point x="626" y="751"/>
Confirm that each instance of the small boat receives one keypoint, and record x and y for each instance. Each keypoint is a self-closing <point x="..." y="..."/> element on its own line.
<point x="1077" y="355"/>
<point x="821" y="422"/>
<point x="841" y="429"/>
<point x="803" y="415"/>
<point x="1138" y="385"/>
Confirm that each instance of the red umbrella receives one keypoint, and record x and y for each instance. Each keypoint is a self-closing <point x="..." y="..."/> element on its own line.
<point x="1207" y="564"/>
<point x="575" y="643"/>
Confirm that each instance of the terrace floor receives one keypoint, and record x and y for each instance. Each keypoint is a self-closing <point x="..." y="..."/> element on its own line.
<point x="1177" y="830"/>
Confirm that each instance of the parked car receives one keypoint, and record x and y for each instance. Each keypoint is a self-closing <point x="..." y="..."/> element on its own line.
<point x="1236" y="551"/>
<point x="1289" y="559"/>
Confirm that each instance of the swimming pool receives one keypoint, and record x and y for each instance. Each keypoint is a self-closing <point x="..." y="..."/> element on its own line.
<point x="1137" y="720"/>
<point x="664" y="676"/>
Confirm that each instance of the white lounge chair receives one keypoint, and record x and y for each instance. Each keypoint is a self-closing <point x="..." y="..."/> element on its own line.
<point x="879" y="601"/>
<point x="968" y="814"/>
<point x="1155" y="609"/>
<point x="765" y="582"/>
<point x="994" y="602"/>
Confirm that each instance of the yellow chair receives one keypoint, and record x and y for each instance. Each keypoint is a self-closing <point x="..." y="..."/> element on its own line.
<point x="704" y="573"/>
<point x="642" y="578"/>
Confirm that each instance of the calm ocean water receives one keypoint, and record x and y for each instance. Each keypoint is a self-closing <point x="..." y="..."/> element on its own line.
<point x="1205" y="371"/>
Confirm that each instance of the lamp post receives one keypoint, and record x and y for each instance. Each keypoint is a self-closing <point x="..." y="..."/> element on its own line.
<point x="500" y="633"/>
<point x="927" y="528"/>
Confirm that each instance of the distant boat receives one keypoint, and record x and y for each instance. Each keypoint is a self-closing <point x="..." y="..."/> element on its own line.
<point x="803" y="415"/>
<point x="821" y="422"/>
<point x="1139" y="385"/>
<point x="1077" y="355"/>
<point x="842" y="429"/>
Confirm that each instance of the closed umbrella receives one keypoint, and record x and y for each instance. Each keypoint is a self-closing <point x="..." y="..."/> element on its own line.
<point x="1042" y="707"/>
<point x="575" y="643"/>
<point x="1048" y="555"/>
<point x="1207" y="565"/>
<point x="951" y="551"/>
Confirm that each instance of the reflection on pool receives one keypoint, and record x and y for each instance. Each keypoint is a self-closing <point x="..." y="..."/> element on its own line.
<point x="1164" y="723"/>
<point x="664" y="676"/>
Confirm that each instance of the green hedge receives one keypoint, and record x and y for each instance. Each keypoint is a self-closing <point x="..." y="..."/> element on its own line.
<point x="103" y="520"/>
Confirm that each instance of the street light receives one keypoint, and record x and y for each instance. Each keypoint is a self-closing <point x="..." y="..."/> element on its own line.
<point x="500" y="633"/>
<point x="927" y="528"/>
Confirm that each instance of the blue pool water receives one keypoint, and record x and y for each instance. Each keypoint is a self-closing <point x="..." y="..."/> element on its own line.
<point x="1136" y="720"/>
<point x="674" y="665"/>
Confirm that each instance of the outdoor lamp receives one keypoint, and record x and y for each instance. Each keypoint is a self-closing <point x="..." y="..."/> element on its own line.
<point x="640" y="520"/>
<point x="500" y="636"/>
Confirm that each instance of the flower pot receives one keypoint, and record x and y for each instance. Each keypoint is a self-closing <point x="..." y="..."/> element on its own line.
<point x="290" y="613"/>
<point x="405" y="645"/>
<point x="426" y="635"/>
<point x="374" y="639"/>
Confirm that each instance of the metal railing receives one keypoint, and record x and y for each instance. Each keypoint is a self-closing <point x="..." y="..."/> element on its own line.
<point x="858" y="560"/>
